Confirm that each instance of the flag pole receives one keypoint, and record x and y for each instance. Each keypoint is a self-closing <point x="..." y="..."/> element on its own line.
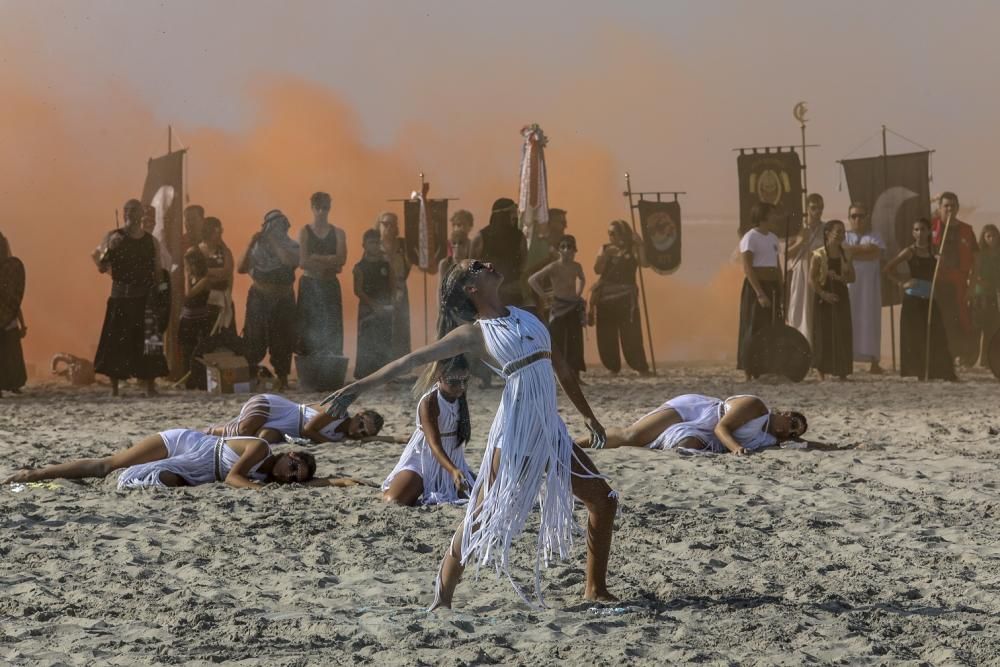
<point x="892" y="308"/>
<point x="930" y="303"/>
<point x="642" y="284"/>
<point x="427" y="208"/>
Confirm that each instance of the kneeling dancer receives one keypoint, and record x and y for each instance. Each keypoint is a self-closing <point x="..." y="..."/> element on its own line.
<point x="696" y="423"/>
<point x="529" y="455"/>
<point x="182" y="457"/>
<point x="432" y="469"/>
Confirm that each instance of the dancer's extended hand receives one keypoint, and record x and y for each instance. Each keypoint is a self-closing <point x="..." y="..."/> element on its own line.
<point x="340" y="400"/>
<point x="598" y="438"/>
<point x="458" y="479"/>
<point x="19" y="477"/>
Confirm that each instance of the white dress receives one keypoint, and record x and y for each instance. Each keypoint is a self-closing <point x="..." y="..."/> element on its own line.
<point x="537" y="455"/>
<point x="195" y="456"/>
<point x="866" y="299"/>
<point x="800" y="293"/>
<point x="282" y="415"/>
<point x="419" y="458"/>
<point x="700" y="415"/>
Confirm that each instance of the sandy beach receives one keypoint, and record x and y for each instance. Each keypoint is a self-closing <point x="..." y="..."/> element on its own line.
<point x="880" y="547"/>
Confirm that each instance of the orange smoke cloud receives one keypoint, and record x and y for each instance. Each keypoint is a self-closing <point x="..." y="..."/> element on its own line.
<point x="72" y="161"/>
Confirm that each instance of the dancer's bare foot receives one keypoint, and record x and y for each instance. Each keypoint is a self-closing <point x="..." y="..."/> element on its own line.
<point x="603" y="595"/>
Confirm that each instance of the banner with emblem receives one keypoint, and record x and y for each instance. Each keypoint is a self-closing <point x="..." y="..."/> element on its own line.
<point x="425" y="228"/>
<point x="773" y="177"/>
<point x="661" y="234"/>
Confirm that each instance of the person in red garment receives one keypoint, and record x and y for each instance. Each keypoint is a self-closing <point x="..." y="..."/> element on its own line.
<point x="957" y="257"/>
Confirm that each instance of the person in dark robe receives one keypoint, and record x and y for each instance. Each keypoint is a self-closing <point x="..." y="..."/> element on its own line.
<point x="830" y="271"/>
<point x="502" y="244"/>
<point x="131" y="345"/>
<point x="13" y="374"/>
<point x="760" y="299"/>
<point x="322" y="255"/>
<point x="615" y="300"/>
<point x="986" y="292"/>
<point x="957" y="257"/>
<point x="913" y="348"/>
<point x="394" y="252"/>
<point x="374" y="289"/>
<point x="270" y="259"/>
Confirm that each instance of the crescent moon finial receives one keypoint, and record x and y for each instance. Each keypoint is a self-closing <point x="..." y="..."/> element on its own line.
<point x="800" y="112"/>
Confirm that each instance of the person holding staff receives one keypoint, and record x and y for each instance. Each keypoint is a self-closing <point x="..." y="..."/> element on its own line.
<point x="761" y="297"/>
<point x="922" y="261"/>
<point x="529" y="455"/>
<point x="830" y="274"/>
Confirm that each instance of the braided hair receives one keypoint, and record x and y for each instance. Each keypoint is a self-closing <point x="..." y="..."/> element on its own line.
<point x="456" y="365"/>
<point x="456" y="309"/>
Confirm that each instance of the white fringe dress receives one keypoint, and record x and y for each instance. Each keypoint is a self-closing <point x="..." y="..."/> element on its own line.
<point x="198" y="458"/>
<point x="536" y="459"/>
<point x="282" y="415"/>
<point x="700" y="415"/>
<point x="419" y="458"/>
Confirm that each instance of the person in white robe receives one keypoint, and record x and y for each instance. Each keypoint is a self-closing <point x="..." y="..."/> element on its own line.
<point x="865" y="249"/>
<point x="800" y="250"/>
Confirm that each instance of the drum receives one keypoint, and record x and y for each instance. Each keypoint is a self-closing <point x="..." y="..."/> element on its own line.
<point x="779" y="349"/>
<point x="11" y="289"/>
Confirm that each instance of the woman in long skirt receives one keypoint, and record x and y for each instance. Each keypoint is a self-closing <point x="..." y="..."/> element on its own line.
<point x="761" y="298"/>
<point x="921" y="260"/>
<point x="529" y="455"/>
<point x="830" y="272"/>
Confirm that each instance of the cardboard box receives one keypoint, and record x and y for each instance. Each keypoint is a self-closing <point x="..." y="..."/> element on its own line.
<point x="226" y="373"/>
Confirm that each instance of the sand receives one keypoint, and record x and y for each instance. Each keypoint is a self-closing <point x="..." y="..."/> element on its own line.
<point x="881" y="548"/>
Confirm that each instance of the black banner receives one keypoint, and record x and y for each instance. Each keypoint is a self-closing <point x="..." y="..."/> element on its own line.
<point x="661" y="234"/>
<point x="775" y="178"/>
<point x="434" y="243"/>
<point x="896" y="191"/>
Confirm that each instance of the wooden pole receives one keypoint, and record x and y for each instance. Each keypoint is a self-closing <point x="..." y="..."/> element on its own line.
<point x="930" y="303"/>
<point x="428" y="210"/>
<point x="642" y="284"/>
<point x="892" y="308"/>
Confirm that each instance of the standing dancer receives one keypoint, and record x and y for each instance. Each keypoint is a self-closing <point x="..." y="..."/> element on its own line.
<point x="529" y="455"/>
<point x="432" y="469"/>
<point x="322" y="256"/>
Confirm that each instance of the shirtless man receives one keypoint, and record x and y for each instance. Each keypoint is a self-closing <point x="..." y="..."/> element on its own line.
<point x="565" y="303"/>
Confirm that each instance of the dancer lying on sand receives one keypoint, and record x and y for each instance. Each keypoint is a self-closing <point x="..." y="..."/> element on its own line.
<point x="181" y="457"/>
<point x="432" y="469"/>
<point x="272" y="417"/>
<point x="739" y="424"/>
<point x="529" y="456"/>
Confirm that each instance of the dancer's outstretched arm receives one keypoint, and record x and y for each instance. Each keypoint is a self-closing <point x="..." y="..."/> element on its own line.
<point x="570" y="384"/>
<point x="466" y="338"/>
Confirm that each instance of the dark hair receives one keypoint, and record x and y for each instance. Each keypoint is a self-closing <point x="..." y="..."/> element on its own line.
<point x="307" y="458"/>
<point x="195" y="208"/>
<point x="622" y="228"/>
<point x="320" y="199"/>
<point x="759" y="213"/>
<point x="461" y="215"/>
<point x="456" y="309"/>
<point x="568" y="238"/>
<point x="858" y="205"/>
<point x="503" y="212"/>
<point x="927" y="223"/>
<point x="376" y="418"/>
<point x="827" y="227"/>
<point x="982" y="234"/>
<point x="949" y="195"/>
<point x="814" y="198"/>
<point x="370" y="235"/>
<point x="4" y="247"/>
<point x="211" y="224"/>
<point x="802" y="418"/>
<point x="457" y="364"/>
<point x="557" y="213"/>
<point x="196" y="261"/>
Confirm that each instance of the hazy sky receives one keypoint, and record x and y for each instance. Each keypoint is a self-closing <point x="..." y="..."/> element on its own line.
<point x="722" y="73"/>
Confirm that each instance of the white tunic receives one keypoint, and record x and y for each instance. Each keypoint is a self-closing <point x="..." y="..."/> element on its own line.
<point x="198" y="458"/>
<point x="419" y="458"/>
<point x="282" y="415"/>
<point x="800" y="293"/>
<point x="866" y="299"/>
<point x="537" y="455"/>
<point x="700" y="415"/>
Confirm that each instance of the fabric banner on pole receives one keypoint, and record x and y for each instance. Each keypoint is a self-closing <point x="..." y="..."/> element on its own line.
<point x="164" y="190"/>
<point x="896" y="191"/>
<point x="533" y="202"/>
<point x="661" y="234"/>
<point x="425" y="228"/>
<point x="774" y="177"/>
